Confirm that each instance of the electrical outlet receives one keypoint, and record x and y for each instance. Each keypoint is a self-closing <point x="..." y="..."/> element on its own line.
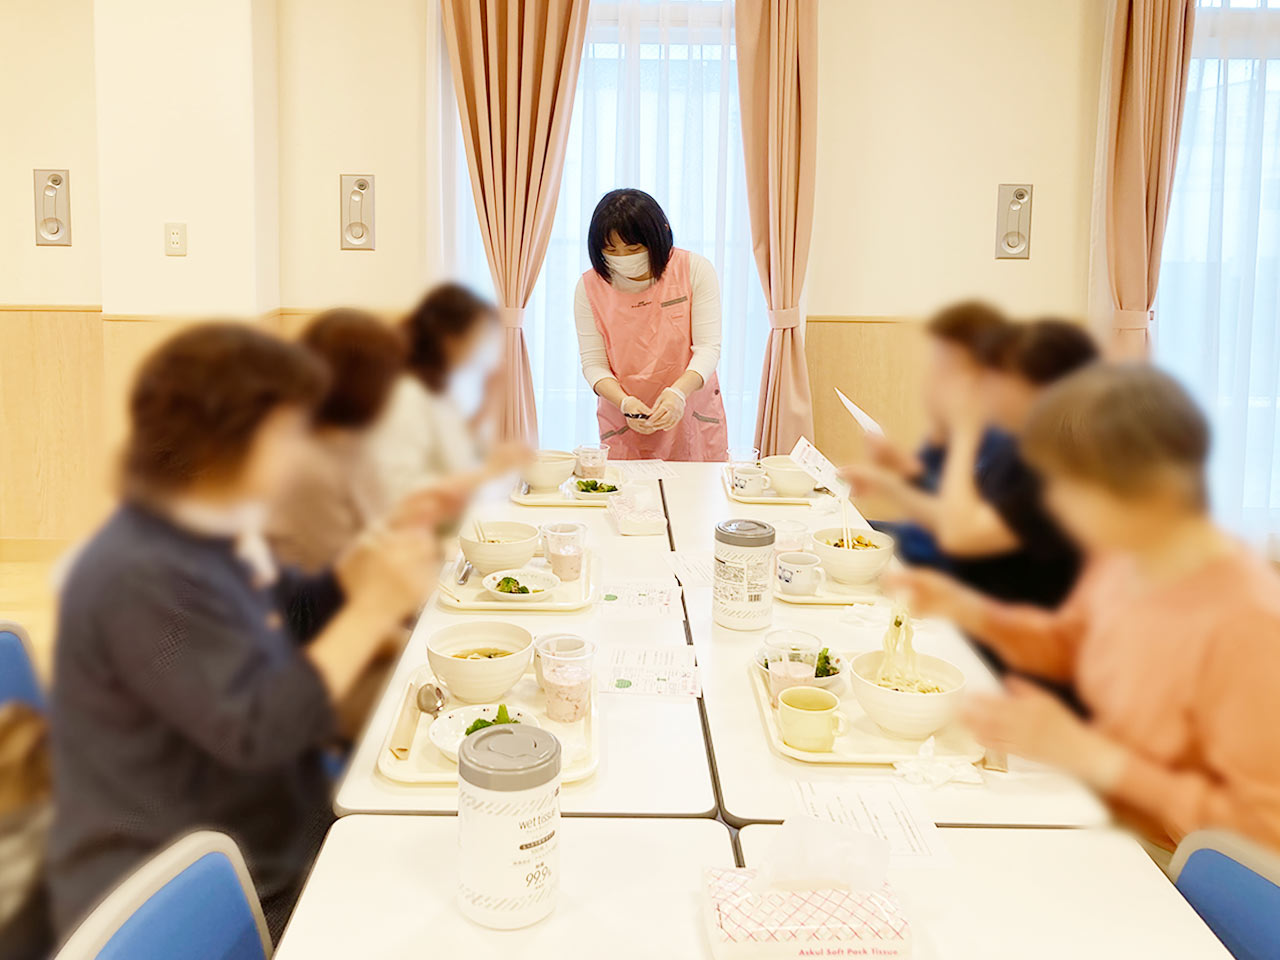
<point x="175" y="239"/>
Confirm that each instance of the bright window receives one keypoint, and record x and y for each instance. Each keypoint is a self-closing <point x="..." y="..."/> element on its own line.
<point x="1218" y="308"/>
<point x="656" y="108"/>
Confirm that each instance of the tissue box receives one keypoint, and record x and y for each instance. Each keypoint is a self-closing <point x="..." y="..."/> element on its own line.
<point x="787" y="924"/>
<point x="634" y="518"/>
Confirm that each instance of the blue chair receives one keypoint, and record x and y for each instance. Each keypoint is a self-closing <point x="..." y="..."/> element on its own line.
<point x="194" y="899"/>
<point x="17" y="675"/>
<point x="1234" y="884"/>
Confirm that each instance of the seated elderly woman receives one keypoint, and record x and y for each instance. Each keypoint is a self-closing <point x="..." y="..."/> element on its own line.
<point x="194" y="681"/>
<point x="1172" y="636"/>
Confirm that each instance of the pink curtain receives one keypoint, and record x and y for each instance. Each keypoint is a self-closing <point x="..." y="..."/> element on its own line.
<point x="777" y="83"/>
<point x="515" y="69"/>
<point x="1150" y="55"/>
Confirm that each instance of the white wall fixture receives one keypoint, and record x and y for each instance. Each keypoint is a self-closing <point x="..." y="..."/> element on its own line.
<point x="53" y="208"/>
<point x="1013" y="222"/>
<point x="175" y="239"/>
<point x="357" y="211"/>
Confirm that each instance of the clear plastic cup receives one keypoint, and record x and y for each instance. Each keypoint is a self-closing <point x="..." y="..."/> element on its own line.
<point x="564" y="670"/>
<point x="791" y="657"/>
<point x="789" y="536"/>
<point x="593" y="460"/>
<point x="565" y="546"/>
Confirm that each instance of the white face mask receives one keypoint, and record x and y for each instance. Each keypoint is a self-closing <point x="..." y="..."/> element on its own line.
<point x="633" y="266"/>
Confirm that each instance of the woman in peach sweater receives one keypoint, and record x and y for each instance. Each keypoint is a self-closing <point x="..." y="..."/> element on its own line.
<point x="1172" y="636"/>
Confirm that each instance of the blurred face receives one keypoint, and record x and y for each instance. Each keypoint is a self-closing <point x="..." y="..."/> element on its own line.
<point x="276" y="448"/>
<point x="1007" y="399"/>
<point x="1100" y="520"/>
<point x="475" y="345"/>
<point x="948" y="367"/>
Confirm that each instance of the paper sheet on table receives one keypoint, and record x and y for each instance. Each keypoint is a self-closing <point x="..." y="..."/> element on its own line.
<point x="638" y="599"/>
<point x="864" y="419"/>
<point x="820" y="468"/>
<point x="887" y="809"/>
<point x="650" y="671"/>
<point x="647" y="469"/>
<point x="693" y="569"/>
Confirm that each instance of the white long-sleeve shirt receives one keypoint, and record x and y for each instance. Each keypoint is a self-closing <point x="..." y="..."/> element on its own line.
<point x="704" y="320"/>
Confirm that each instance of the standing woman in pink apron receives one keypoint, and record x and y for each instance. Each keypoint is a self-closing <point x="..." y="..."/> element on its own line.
<point x="648" y="321"/>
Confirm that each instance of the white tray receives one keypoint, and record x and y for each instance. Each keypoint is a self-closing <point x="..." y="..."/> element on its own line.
<point x="579" y="742"/>
<point x="865" y="742"/>
<point x="726" y="480"/>
<point x="565" y="598"/>
<point x="833" y="594"/>
<point x="563" y="495"/>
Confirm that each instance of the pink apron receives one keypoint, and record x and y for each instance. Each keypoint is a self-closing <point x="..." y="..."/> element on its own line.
<point x="649" y="340"/>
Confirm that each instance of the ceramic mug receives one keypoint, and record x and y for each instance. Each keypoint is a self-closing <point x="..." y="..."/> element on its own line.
<point x="799" y="574"/>
<point x="750" y="481"/>
<point x="808" y="719"/>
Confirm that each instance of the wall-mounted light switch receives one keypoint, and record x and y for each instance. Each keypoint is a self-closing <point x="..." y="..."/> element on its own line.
<point x="357" y="211"/>
<point x="175" y="239"/>
<point x="1013" y="222"/>
<point x="53" y="208"/>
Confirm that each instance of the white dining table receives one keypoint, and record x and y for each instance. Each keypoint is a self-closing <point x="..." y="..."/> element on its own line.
<point x="653" y="754"/>
<point x="1014" y="894"/>
<point x="758" y="784"/>
<point x="384" y="887"/>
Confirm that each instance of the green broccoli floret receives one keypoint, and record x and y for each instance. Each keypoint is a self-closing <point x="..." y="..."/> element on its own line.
<point x="510" y="585"/>
<point x="503" y="716"/>
<point x="825" y="666"/>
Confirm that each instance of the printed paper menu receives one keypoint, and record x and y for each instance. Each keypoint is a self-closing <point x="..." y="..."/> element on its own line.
<point x="637" y="599"/>
<point x="650" y="671"/>
<point x="884" y="808"/>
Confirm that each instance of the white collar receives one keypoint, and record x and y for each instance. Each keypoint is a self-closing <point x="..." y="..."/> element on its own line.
<point x="243" y="522"/>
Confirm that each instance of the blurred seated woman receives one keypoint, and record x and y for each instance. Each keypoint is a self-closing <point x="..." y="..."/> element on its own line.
<point x="1172" y="637"/>
<point x="424" y="438"/>
<point x="194" y="682"/>
<point x="334" y="492"/>
<point x="987" y="514"/>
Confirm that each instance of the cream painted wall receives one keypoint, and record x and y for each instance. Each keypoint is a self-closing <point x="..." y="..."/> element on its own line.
<point x="47" y="120"/>
<point x="358" y="89"/>
<point x="179" y="88"/>
<point x="924" y="107"/>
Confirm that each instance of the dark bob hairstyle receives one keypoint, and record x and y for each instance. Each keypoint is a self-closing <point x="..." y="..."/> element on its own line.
<point x="1039" y="352"/>
<point x="364" y="357"/>
<point x="636" y="218"/>
<point x="966" y="324"/>
<point x="448" y="312"/>
<point x="200" y="397"/>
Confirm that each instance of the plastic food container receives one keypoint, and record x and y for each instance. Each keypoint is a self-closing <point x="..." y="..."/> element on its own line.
<point x="508" y="826"/>
<point x="743" y="586"/>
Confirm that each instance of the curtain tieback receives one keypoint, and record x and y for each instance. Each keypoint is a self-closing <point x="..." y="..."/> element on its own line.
<point x="511" y="317"/>
<point x="784" y="319"/>
<point x="1134" y="319"/>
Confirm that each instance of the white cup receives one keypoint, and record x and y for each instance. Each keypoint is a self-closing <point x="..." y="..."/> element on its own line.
<point x="808" y="719"/>
<point x="799" y="574"/>
<point x="750" y="481"/>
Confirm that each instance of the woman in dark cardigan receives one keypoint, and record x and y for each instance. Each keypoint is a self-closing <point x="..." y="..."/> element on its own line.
<point x="195" y="683"/>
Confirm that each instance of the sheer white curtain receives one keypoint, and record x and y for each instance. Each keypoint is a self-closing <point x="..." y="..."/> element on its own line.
<point x="1218" y="307"/>
<point x="656" y="108"/>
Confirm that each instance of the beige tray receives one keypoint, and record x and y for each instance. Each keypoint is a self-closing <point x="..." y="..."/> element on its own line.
<point x="563" y="495"/>
<point x="865" y="743"/>
<point x="564" y="599"/>
<point x="726" y="481"/>
<point x="833" y="595"/>
<point x="425" y="764"/>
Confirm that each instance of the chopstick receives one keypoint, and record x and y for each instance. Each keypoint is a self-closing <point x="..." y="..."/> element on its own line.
<point x="844" y="522"/>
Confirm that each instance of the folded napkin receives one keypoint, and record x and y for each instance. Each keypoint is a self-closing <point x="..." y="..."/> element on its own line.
<point x="928" y="770"/>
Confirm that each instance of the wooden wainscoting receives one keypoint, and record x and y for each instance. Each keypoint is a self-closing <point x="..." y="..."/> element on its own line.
<point x="879" y="364"/>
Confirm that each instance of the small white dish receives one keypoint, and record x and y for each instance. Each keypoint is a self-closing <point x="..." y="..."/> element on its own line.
<point x="449" y="729"/>
<point x="539" y="582"/>
<point x="593" y="497"/>
<point x="825" y="683"/>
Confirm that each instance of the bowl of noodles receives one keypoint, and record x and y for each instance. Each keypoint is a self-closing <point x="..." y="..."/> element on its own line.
<point x="908" y="694"/>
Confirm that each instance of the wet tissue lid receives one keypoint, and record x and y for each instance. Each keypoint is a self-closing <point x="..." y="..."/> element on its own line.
<point x="745" y="533"/>
<point x="509" y="757"/>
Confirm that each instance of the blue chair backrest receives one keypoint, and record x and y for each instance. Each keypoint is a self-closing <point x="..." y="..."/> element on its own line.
<point x="17" y="675"/>
<point x="201" y="914"/>
<point x="1240" y="906"/>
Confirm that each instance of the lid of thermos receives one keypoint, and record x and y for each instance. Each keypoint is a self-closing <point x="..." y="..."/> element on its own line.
<point x="509" y="756"/>
<point x="745" y="533"/>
